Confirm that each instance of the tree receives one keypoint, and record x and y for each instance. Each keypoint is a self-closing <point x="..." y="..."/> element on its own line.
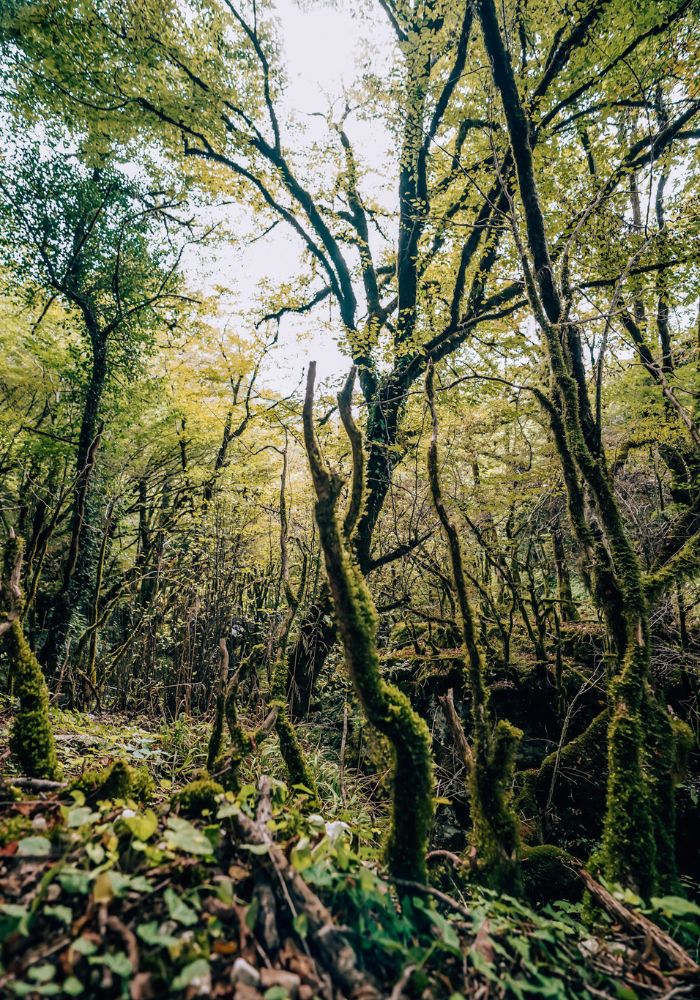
<point x="640" y="784"/>
<point x="85" y="236"/>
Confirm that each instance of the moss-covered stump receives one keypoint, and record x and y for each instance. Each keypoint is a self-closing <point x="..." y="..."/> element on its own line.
<point x="198" y="797"/>
<point x="116" y="781"/>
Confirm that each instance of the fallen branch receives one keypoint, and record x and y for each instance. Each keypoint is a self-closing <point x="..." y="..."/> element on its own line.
<point x="336" y="953"/>
<point x="38" y="784"/>
<point x="638" y="923"/>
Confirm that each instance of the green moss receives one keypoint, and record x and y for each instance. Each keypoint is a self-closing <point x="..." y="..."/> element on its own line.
<point x="298" y="770"/>
<point x="31" y="737"/>
<point x="629" y="846"/>
<point x="142" y="785"/>
<point x="217" y="731"/>
<point x="198" y="797"/>
<point x="118" y="780"/>
<point x="546" y="875"/>
<point x="496" y="829"/>
<point x="14" y="828"/>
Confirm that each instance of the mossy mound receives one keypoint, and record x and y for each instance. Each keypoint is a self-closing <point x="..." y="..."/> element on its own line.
<point x="116" y="781"/>
<point x="14" y="828"/>
<point x="198" y="797"/>
<point x="546" y="874"/>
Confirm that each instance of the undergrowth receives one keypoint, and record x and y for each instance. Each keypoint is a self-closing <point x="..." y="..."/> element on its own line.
<point x="116" y="899"/>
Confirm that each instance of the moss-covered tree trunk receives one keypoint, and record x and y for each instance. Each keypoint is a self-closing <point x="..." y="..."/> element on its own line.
<point x="640" y="759"/>
<point x="386" y="708"/>
<point x="496" y="835"/>
<point x="31" y="737"/>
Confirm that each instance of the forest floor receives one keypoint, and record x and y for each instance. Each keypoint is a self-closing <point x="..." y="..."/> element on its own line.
<point x="256" y="897"/>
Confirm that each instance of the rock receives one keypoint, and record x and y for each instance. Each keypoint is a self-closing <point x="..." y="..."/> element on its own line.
<point x="244" y="972"/>
<point x="289" y="981"/>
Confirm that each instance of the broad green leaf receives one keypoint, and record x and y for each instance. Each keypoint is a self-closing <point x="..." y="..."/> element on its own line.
<point x="34" y="846"/>
<point x="179" y="910"/>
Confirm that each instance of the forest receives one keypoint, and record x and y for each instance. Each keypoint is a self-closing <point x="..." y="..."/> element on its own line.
<point x="350" y="499"/>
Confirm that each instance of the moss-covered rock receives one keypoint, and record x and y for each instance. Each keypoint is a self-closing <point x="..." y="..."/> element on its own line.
<point x="546" y="874"/>
<point x="198" y="797"/>
<point x="118" y="780"/>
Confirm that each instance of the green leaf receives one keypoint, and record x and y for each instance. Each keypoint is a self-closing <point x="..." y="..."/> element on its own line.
<point x="179" y="910"/>
<point x="150" y="934"/>
<point x="73" y="987"/>
<point x="80" y="817"/>
<point x="118" y="963"/>
<point x="183" y="836"/>
<point x="196" y="973"/>
<point x="675" y="906"/>
<point x="276" y="993"/>
<point x="74" y="881"/>
<point x="37" y="847"/>
<point x="84" y="946"/>
<point x="42" y="973"/>
<point x="255" y="848"/>
<point x="95" y="852"/>
<point x="301" y="924"/>
<point x="62" y="913"/>
<point x="142" y="827"/>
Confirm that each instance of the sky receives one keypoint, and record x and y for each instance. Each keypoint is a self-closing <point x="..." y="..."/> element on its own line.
<point x="325" y="47"/>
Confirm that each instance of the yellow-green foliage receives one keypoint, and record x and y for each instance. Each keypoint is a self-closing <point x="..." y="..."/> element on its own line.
<point x="198" y="797"/>
<point x="116" y="781"/>
<point x="31" y="738"/>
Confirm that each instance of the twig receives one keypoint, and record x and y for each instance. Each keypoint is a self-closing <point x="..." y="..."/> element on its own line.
<point x="429" y="890"/>
<point x="402" y="982"/>
<point x="39" y="784"/>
